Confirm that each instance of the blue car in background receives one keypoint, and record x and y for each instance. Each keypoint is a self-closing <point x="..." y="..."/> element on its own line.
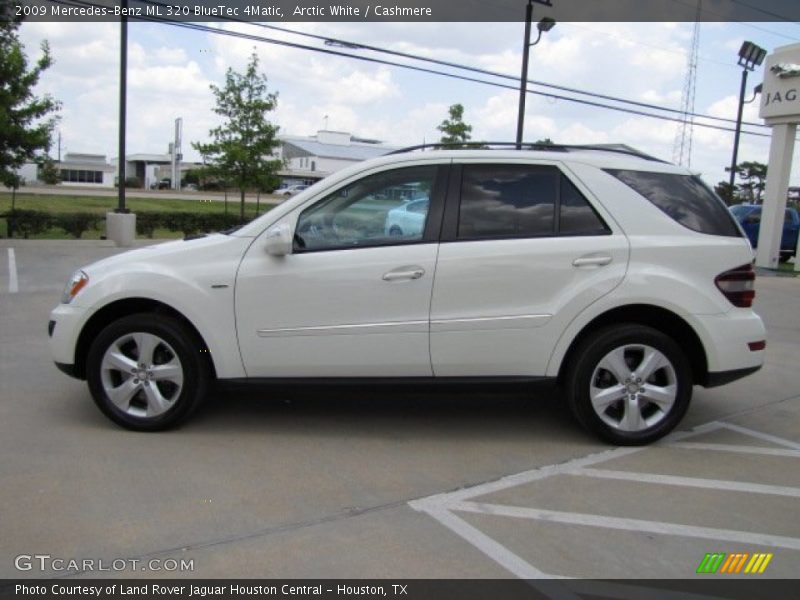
<point x="749" y="217"/>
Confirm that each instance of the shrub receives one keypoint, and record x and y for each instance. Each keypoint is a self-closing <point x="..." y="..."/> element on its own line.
<point x="186" y="223"/>
<point x="76" y="224"/>
<point x="28" y="222"/>
<point x="148" y="222"/>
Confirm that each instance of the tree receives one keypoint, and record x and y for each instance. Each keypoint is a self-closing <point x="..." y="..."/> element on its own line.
<point x="241" y="148"/>
<point x="48" y="172"/>
<point x="26" y="120"/>
<point x="754" y="175"/>
<point x="754" y="180"/>
<point x="724" y="191"/>
<point x="545" y="142"/>
<point x="454" y="130"/>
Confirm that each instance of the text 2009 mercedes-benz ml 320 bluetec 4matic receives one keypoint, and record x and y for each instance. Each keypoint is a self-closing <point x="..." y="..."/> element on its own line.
<point x="621" y="278"/>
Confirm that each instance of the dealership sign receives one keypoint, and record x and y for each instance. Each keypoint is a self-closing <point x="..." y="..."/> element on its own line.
<point x="780" y="98"/>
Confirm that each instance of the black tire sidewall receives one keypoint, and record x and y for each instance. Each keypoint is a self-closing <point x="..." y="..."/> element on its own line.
<point x="589" y="354"/>
<point x="187" y="348"/>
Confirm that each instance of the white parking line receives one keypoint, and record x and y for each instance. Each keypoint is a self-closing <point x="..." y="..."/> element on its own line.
<point x="709" y="484"/>
<point x="779" y="441"/>
<point x="443" y="506"/>
<point x="636" y="525"/>
<point x="502" y="555"/>
<point x="13" y="284"/>
<point x="737" y="449"/>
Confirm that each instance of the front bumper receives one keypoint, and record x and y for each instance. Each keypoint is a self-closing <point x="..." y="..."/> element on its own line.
<point x="66" y="322"/>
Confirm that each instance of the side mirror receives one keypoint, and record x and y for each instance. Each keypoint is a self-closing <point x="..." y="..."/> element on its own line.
<point x="279" y="240"/>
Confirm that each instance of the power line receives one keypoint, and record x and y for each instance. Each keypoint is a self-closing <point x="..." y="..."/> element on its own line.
<point x="764" y="11"/>
<point x="356" y="45"/>
<point x="256" y="38"/>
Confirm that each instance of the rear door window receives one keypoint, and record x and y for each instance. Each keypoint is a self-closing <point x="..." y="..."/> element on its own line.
<point x="522" y="201"/>
<point x="684" y="198"/>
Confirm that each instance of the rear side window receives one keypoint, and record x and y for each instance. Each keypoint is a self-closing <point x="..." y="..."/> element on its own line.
<point x="685" y="198"/>
<point x="507" y="201"/>
<point x="517" y="201"/>
<point x="577" y="217"/>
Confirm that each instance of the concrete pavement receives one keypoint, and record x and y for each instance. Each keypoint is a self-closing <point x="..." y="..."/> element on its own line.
<point x="345" y="483"/>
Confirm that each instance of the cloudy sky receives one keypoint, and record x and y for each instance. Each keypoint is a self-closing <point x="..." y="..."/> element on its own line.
<point x="170" y="70"/>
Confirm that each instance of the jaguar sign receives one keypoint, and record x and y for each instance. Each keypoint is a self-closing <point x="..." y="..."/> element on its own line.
<point x="780" y="108"/>
<point x="780" y="99"/>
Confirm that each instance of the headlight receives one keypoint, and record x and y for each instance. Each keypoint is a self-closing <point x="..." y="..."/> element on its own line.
<point x="75" y="284"/>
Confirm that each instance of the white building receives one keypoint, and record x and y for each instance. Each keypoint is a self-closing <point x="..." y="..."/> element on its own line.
<point x="77" y="169"/>
<point x="310" y="158"/>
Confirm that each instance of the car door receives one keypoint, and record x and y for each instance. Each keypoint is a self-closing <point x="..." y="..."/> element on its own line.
<point x="751" y="225"/>
<point x="790" y="230"/>
<point x="523" y="252"/>
<point x="350" y="300"/>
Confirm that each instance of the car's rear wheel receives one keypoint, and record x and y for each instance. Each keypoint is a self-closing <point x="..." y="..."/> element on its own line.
<point x="395" y="231"/>
<point x="146" y="371"/>
<point x="630" y="384"/>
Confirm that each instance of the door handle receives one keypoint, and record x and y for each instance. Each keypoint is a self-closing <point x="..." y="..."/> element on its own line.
<point x="404" y="273"/>
<point x="592" y="261"/>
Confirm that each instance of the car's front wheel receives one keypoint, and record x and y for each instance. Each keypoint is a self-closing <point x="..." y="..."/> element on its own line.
<point x="630" y="384"/>
<point x="147" y="372"/>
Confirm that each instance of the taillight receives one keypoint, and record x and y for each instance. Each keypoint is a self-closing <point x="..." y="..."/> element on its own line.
<point x="738" y="285"/>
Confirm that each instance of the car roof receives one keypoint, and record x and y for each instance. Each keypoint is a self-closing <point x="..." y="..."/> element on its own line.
<point x="602" y="158"/>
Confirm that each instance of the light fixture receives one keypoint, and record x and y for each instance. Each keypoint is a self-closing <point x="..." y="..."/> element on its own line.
<point x="546" y="24"/>
<point x="751" y="55"/>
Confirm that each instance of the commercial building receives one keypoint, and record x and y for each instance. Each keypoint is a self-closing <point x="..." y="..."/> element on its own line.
<point x="310" y="158"/>
<point x="77" y="169"/>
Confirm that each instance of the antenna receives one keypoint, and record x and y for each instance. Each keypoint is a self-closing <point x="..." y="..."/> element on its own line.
<point x="682" y="148"/>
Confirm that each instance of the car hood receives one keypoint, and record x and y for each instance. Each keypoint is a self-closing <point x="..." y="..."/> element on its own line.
<point x="207" y="249"/>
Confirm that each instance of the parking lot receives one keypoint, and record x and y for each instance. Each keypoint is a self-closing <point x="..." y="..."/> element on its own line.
<point x="401" y="483"/>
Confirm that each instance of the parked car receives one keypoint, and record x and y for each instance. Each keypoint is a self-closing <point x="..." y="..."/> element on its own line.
<point x="407" y="220"/>
<point x="291" y="190"/>
<point x="749" y="217"/>
<point x="161" y="184"/>
<point x="622" y="279"/>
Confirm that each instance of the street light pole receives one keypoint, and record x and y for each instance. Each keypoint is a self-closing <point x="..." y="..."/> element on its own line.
<point x="123" y="96"/>
<point x="750" y="56"/>
<point x="738" y="133"/>
<point x="545" y="25"/>
<point x="523" y="79"/>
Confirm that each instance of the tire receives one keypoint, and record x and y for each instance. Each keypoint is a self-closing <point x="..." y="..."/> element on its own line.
<point x="395" y="231"/>
<point x="605" y="396"/>
<point x="166" y="391"/>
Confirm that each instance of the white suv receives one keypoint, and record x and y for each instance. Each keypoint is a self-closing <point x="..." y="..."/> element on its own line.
<point x="622" y="278"/>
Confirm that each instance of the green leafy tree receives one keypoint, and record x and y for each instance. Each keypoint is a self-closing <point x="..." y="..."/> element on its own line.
<point x="241" y="148"/>
<point x="724" y="191"/>
<point x="454" y="130"/>
<point x="48" y="172"/>
<point x="753" y="175"/>
<point x="544" y="142"/>
<point x="26" y="120"/>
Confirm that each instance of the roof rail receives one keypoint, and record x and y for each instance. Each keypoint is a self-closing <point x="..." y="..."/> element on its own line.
<point x="539" y="147"/>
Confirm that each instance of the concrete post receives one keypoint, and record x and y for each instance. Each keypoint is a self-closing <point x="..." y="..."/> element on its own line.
<point x="121" y="228"/>
<point x="772" y="215"/>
